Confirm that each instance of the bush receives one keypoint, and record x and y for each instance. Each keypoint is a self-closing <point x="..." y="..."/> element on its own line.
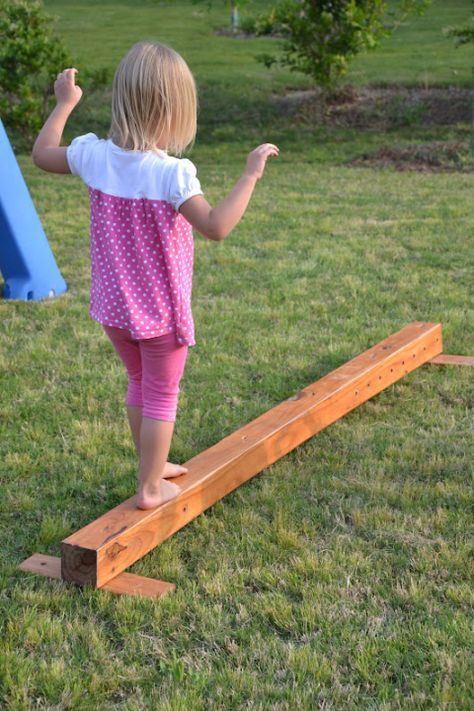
<point x="321" y="38"/>
<point x="30" y="58"/>
<point x="247" y="25"/>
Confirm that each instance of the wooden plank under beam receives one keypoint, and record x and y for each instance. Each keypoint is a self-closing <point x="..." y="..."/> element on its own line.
<point x="123" y="584"/>
<point x="445" y="359"/>
<point x="104" y="548"/>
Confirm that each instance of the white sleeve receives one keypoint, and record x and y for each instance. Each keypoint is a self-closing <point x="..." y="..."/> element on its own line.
<point x="79" y="154"/>
<point x="184" y="183"/>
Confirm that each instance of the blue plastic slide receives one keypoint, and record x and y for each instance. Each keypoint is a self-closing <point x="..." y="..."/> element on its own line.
<point x="26" y="260"/>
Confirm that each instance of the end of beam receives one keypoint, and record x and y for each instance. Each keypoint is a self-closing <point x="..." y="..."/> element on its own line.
<point x="78" y="565"/>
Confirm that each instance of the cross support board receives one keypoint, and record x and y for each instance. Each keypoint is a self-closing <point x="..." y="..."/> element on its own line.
<point x="103" y="549"/>
<point x="445" y="359"/>
<point x="125" y="583"/>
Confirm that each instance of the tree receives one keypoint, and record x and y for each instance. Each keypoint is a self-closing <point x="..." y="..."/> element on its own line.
<point x="465" y="35"/>
<point x="30" y="58"/>
<point x="321" y="37"/>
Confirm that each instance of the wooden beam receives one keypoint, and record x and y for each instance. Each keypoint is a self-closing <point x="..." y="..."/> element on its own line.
<point x="123" y="584"/>
<point x="104" y="548"/>
<point x="444" y="359"/>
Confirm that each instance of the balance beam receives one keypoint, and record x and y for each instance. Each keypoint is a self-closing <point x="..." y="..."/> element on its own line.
<point x="100" y="551"/>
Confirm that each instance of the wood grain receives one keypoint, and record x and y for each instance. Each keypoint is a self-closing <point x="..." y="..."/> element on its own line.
<point x="107" y="546"/>
<point x="445" y="359"/>
<point x="123" y="584"/>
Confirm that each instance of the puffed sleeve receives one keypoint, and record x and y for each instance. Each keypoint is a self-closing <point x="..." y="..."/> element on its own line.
<point x="184" y="183"/>
<point x="79" y="154"/>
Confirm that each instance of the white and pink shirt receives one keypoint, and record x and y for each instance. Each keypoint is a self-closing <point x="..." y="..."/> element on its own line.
<point x="141" y="247"/>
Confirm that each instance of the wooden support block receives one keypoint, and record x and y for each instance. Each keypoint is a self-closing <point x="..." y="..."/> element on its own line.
<point x="123" y="584"/>
<point x="444" y="359"/>
<point x="104" y="548"/>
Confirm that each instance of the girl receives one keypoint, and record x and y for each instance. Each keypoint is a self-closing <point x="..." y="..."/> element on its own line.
<point x="144" y="203"/>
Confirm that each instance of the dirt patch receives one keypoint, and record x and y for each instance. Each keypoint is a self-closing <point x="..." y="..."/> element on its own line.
<point x="380" y="107"/>
<point x="435" y="157"/>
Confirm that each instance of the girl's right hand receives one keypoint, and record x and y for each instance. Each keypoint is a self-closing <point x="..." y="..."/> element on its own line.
<point x="65" y="89"/>
<point x="257" y="159"/>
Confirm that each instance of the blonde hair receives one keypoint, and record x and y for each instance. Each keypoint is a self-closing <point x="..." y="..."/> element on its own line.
<point x="153" y="100"/>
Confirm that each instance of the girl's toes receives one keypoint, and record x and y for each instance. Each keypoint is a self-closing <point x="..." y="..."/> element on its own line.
<point x="172" y="470"/>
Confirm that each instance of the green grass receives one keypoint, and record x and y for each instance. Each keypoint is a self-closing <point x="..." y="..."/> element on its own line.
<point x="340" y="578"/>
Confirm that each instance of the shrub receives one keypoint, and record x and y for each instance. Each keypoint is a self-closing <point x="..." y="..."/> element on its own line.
<point x="321" y="38"/>
<point x="247" y="25"/>
<point x="30" y="58"/>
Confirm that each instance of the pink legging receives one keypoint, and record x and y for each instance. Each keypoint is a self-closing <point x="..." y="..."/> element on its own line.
<point x="155" y="367"/>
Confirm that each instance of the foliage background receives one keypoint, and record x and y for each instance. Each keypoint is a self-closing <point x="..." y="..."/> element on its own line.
<point x="31" y="55"/>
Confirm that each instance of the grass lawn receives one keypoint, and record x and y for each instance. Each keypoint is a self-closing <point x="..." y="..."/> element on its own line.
<point x="341" y="577"/>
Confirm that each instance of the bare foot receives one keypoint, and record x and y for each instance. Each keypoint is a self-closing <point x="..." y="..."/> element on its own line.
<point x="173" y="470"/>
<point x="156" y="496"/>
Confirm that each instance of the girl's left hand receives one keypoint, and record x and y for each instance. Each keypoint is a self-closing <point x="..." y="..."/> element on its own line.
<point x="65" y="88"/>
<point x="257" y="159"/>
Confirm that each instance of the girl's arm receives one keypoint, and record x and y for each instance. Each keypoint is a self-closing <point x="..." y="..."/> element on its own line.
<point x="216" y="222"/>
<point x="47" y="151"/>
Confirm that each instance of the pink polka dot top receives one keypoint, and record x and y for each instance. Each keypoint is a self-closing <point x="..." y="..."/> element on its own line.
<point x="141" y="248"/>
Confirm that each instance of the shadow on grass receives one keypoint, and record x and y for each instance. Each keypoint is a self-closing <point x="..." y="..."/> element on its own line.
<point x="240" y="116"/>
